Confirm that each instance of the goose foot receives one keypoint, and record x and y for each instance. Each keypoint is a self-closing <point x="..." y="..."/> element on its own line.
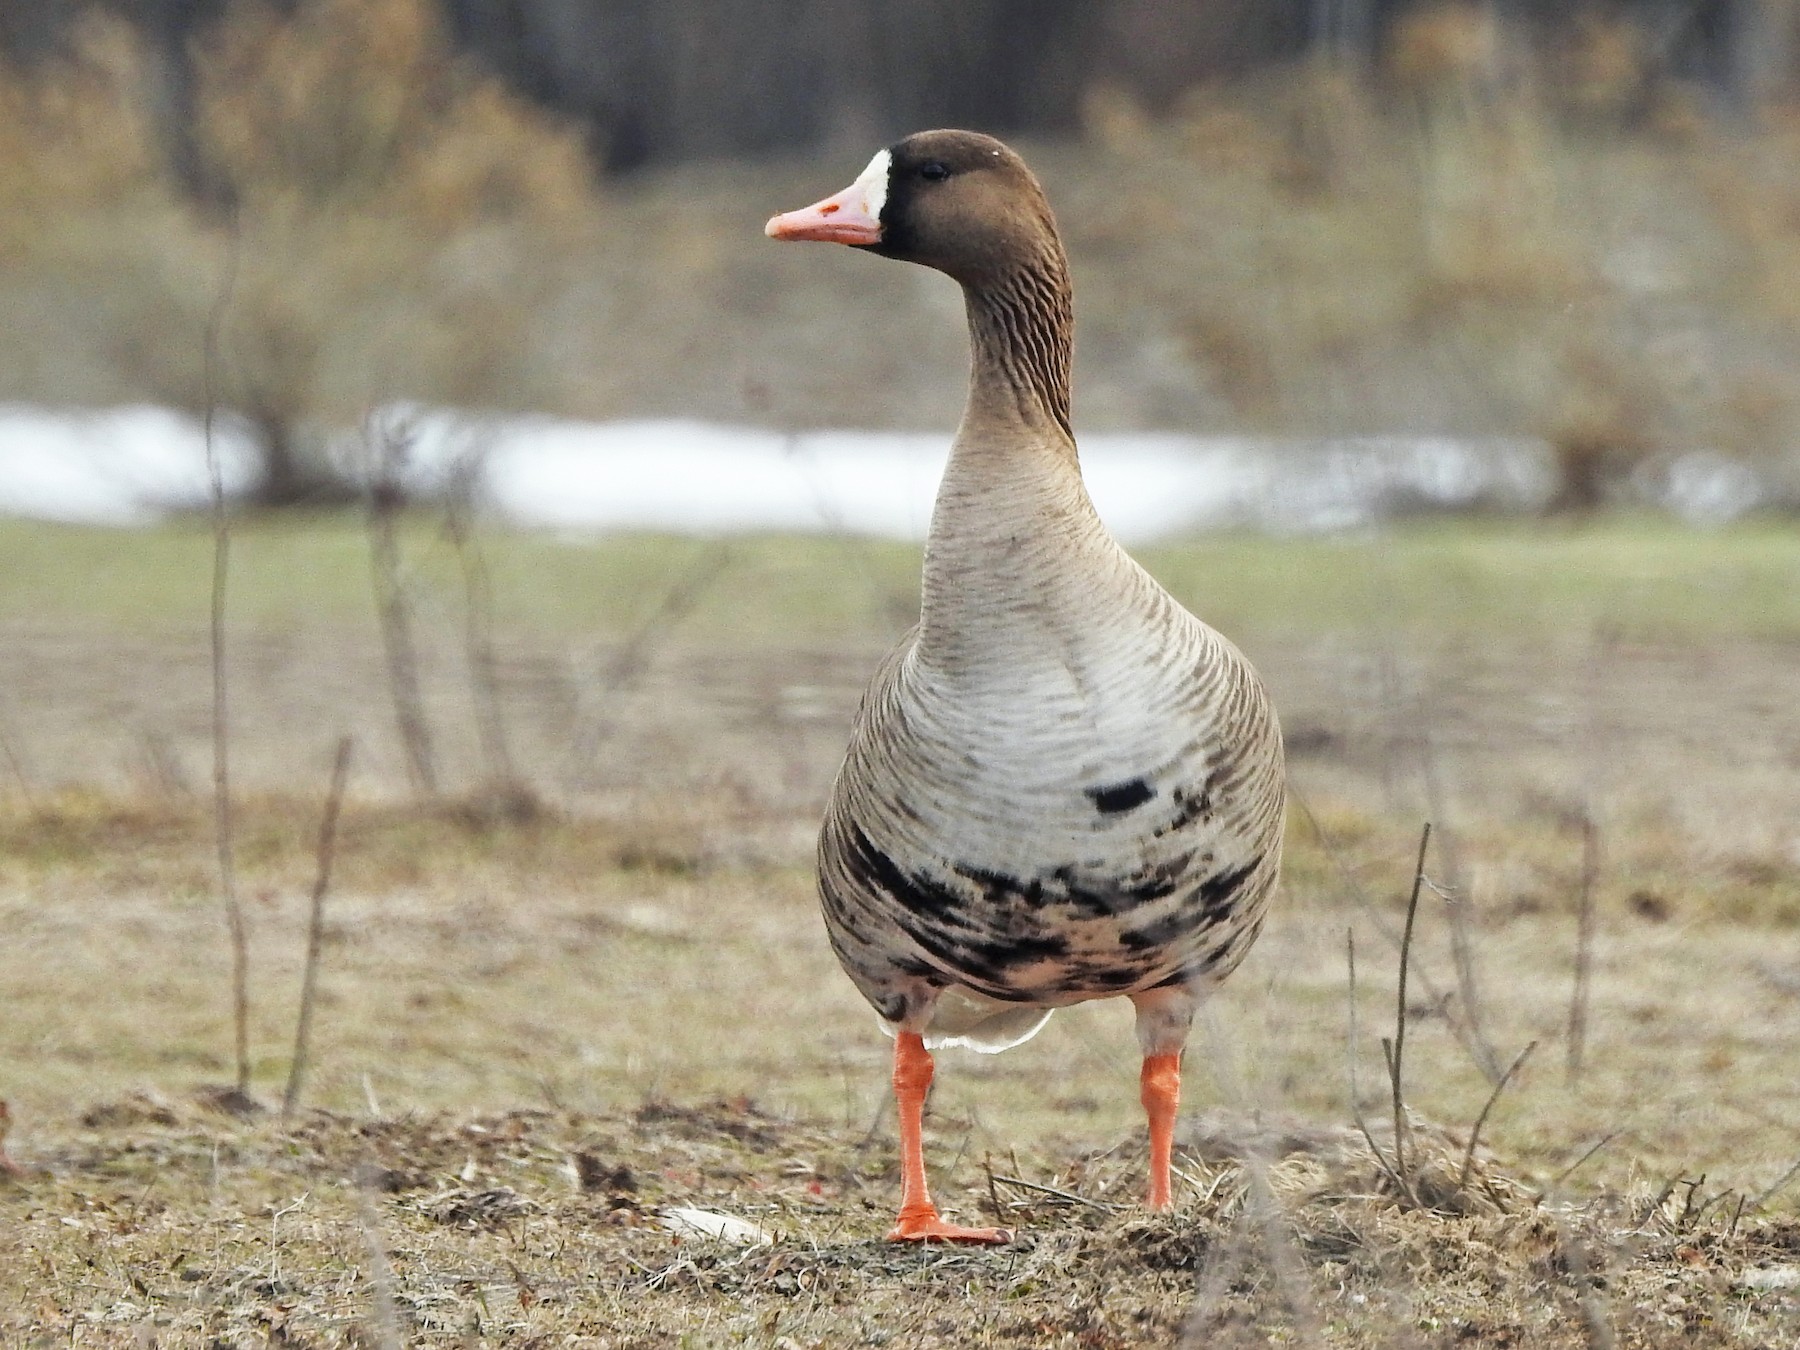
<point x="929" y="1227"/>
<point x="919" y="1221"/>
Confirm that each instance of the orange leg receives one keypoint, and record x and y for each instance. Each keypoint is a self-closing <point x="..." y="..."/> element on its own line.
<point x="919" y="1221"/>
<point x="1161" y="1095"/>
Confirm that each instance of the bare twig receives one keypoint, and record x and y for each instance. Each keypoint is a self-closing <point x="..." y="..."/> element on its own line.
<point x="1352" y="887"/>
<point x="1059" y="1193"/>
<point x="315" y="926"/>
<point x="676" y="603"/>
<point x="384" y="1315"/>
<point x="1220" y="1265"/>
<point x="1571" y="1169"/>
<point x="160" y="765"/>
<point x="389" y="444"/>
<point x="504" y="783"/>
<point x="1284" y="1261"/>
<point x="1396" y="1053"/>
<point x="221" y="712"/>
<point x="1263" y="1213"/>
<point x="1356" y="1110"/>
<point x="1468" y="1162"/>
<point x="16" y="761"/>
<point x="1781" y="1184"/>
<point x="1455" y="894"/>
<point x="1584" y="942"/>
<point x="1593" y="855"/>
<point x="7" y="1165"/>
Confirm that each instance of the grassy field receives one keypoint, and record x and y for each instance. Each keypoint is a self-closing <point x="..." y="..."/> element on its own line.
<point x="1634" y="576"/>
<point x="539" y="1031"/>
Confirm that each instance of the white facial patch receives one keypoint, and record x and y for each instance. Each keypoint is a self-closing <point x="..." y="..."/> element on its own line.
<point x="871" y="185"/>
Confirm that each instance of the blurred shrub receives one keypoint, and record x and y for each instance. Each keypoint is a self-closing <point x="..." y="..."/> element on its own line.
<point x="1465" y="247"/>
<point x="394" y="220"/>
<point x="1472" y="236"/>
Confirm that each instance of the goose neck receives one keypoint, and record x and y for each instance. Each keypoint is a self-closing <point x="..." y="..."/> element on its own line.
<point x="1021" y="326"/>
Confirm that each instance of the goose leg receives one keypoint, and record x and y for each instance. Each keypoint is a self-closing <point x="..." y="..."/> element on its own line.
<point x="1164" y="1015"/>
<point x="1161" y="1095"/>
<point x="919" y="1221"/>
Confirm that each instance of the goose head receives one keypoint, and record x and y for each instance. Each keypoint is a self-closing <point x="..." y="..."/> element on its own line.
<point x="957" y="201"/>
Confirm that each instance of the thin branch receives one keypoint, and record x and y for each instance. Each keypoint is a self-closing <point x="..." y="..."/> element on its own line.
<point x="1570" y="1170"/>
<point x="384" y="1315"/>
<point x="509" y="791"/>
<point x="1781" y="1184"/>
<point x="1584" y="942"/>
<point x="1264" y="1210"/>
<point x="1060" y="1194"/>
<point x="7" y="1166"/>
<point x="676" y="603"/>
<point x="389" y="444"/>
<point x="1468" y="1162"/>
<point x="1458" y="1024"/>
<point x="221" y="711"/>
<point x="1397" y="1055"/>
<point x="315" y="926"/>
<point x="1592" y="850"/>
<point x="1455" y="895"/>
<point x="1356" y="1110"/>
<point x="16" y="761"/>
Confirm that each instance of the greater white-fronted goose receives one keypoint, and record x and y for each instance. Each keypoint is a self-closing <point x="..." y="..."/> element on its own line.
<point x="1061" y="785"/>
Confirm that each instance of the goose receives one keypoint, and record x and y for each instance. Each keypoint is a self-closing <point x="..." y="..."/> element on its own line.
<point x="1061" y="785"/>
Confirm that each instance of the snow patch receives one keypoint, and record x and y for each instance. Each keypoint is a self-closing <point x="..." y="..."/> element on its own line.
<point x="128" y="466"/>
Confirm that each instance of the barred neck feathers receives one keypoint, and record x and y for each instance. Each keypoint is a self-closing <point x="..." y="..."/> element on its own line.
<point x="1021" y="324"/>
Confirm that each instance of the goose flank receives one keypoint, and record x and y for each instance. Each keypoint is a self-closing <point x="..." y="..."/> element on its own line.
<point x="1060" y="785"/>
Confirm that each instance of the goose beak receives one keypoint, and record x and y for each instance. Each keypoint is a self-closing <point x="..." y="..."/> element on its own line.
<point x="841" y="219"/>
<point x="853" y="216"/>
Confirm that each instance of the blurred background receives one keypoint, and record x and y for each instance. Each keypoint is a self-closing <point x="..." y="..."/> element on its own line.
<point x="1568" y="226"/>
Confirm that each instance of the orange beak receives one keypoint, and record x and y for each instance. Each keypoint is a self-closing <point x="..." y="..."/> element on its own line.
<point x="852" y="216"/>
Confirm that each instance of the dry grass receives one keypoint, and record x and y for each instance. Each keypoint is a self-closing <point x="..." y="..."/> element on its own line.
<point x="615" y="974"/>
<point x="636" y="974"/>
<point x="159" y="1219"/>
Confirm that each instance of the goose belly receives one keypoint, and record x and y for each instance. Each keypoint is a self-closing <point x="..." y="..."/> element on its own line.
<point x="1062" y="842"/>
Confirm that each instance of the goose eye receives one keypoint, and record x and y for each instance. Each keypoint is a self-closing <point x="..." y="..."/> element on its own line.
<point x="934" y="171"/>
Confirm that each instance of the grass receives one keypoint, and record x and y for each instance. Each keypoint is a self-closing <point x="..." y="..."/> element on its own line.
<point x="637" y="973"/>
<point x="1637" y="576"/>
<point x="496" y="1002"/>
<point x="539" y="1227"/>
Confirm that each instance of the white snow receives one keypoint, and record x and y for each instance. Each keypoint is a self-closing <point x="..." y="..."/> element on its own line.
<point x="129" y="465"/>
<point x="115" y="466"/>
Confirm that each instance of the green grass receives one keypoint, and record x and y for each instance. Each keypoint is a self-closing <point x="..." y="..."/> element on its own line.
<point x="1633" y="577"/>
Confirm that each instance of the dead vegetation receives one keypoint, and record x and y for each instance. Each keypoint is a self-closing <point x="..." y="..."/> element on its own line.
<point x="531" y="1227"/>
<point x="1484" y="241"/>
<point x="371" y="200"/>
<point x="533" y="1041"/>
<point x="677" y="1023"/>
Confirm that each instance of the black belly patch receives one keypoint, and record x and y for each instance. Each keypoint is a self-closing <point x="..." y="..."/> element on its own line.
<point x="1120" y="797"/>
<point x="1219" y="894"/>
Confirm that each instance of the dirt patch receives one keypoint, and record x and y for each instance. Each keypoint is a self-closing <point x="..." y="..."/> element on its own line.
<point x="199" y="1229"/>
